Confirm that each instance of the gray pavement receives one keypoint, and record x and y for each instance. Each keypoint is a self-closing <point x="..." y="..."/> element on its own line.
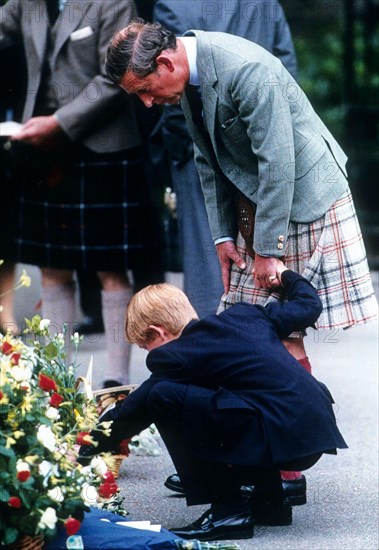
<point x="342" y="509"/>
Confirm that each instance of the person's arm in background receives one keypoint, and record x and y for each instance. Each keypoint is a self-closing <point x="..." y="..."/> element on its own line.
<point x="10" y="29"/>
<point x="78" y="117"/>
<point x="283" y="47"/>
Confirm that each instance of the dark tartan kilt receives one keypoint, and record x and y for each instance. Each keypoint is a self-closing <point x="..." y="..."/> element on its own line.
<point x="88" y="211"/>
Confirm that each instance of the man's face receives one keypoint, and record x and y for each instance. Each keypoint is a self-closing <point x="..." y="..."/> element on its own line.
<point x="162" y="86"/>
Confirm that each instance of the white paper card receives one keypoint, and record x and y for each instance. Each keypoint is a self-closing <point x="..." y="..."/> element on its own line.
<point x="9" y="128"/>
<point x="145" y="525"/>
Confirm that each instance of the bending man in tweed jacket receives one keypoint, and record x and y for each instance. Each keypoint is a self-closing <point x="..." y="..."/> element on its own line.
<point x="256" y="134"/>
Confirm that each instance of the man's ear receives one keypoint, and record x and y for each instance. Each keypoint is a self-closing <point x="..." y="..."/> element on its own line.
<point x="165" y="60"/>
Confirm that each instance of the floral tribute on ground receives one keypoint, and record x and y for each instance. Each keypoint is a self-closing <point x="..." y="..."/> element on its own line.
<point x="44" y="418"/>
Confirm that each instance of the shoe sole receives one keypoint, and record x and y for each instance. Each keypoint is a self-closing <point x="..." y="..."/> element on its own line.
<point x="174" y="488"/>
<point x="298" y="500"/>
<point x="231" y="535"/>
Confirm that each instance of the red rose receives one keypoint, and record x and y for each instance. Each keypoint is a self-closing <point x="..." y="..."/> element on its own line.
<point x="108" y="477"/>
<point x="83" y="438"/>
<point x="72" y="526"/>
<point x="46" y="383"/>
<point x="56" y="399"/>
<point x="106" y="489"/>
<point x="14" y="502"/>
<point x="6" y="348"/>
<point x="15" y="358"/>
<point x="23" y="476"/>
<point x="124" y="447"/>
<point x="1" y="395"/>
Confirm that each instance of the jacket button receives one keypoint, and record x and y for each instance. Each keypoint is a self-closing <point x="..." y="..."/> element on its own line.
<point x="281" y="238"/>
<point x="280" y="246"/>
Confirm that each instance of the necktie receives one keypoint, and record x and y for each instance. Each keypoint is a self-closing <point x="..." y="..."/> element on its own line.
<point x="196" y="105"/>
<point x="53" y="10"/>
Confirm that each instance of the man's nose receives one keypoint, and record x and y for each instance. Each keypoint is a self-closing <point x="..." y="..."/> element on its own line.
<point x="147" y="100"/>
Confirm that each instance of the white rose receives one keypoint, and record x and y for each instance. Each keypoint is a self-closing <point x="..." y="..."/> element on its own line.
<point x="48" y="519"/>
<point x="44" y="323"/>
<point x="56" y="494"/>
<point x="20" y="374"/>
<point x="22" y="466"/>
<point x="45" y="468"/>
<point x="98" y="466"/>
<point x="46" y="437"/>
<point x="89" y="494"/>
<point x="52" y="413"/>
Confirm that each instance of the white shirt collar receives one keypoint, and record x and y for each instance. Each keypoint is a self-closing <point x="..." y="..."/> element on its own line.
<point x="189" y="43"/>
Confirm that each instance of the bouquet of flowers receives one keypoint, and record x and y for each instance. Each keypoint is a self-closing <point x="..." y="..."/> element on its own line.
<point x="44" y="418"/>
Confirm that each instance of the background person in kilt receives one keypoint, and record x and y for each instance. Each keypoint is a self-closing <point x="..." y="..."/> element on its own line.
<point x="87" y="207"/>
<point x="257" y="136"/>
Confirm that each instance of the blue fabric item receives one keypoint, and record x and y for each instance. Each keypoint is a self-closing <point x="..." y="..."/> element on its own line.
<point x="101" y="535"/>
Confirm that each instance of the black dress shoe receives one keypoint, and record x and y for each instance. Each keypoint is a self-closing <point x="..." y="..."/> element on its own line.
<point x="266" y="509"/>
<point x="295" y="491"/>
<point x="174" y="484"/>
<point x="238" y="526"/>
<point x="89" y="325"/>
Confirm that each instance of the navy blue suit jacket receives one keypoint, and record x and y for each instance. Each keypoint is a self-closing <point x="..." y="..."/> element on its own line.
<point x="248" y="400"/>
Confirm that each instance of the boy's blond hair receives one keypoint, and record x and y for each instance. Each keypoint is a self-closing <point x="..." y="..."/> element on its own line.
<point x="160" y="305"/>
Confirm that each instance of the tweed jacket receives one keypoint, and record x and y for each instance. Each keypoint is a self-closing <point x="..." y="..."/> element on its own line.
<point x="91" y="110"/>
<point x="248" y="400"/>
<point x="264" y="135"/>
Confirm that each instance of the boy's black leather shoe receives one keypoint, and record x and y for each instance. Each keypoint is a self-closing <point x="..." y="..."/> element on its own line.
<point x="295" y="491"/>
<point x="238" y="526"/>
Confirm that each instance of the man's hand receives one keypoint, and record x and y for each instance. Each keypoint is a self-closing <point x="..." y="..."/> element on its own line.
<point x="43" y="132"/>
<point x="267" y="271"/>
<point x="227" y="253"/>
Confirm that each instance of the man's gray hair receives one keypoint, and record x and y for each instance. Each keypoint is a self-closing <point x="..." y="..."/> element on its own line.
<point x="136" y="49"/>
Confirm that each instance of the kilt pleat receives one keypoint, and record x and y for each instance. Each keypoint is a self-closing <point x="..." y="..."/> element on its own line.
<point x="92" y="213"/>
<point x="330" y="253"/>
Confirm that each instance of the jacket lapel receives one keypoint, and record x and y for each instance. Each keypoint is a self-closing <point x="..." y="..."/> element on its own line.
<point x="208" y="80"/>
<point x="68" y="21"/>
<point x="39" y="28"/>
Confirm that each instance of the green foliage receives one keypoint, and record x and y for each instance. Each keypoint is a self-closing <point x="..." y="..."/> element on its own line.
<point x="320" y="59"/>
<point x="321" y="62"/>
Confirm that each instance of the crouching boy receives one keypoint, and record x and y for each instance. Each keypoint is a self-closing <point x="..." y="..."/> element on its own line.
<point x="231" y="404"/>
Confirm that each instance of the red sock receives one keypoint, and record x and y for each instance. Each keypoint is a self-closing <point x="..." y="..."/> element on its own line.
<point x="290" y="476"/>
